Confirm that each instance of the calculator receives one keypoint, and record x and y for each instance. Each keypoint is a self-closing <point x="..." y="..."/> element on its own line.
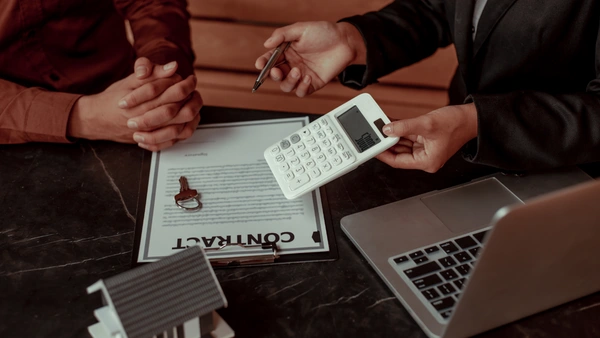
<point x="329" y="147"/>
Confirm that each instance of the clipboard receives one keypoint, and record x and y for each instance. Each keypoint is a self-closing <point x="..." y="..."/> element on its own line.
<point x="241" y="254"/>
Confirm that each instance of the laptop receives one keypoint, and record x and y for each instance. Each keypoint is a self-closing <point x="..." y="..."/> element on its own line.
<point x="485" y="253"/>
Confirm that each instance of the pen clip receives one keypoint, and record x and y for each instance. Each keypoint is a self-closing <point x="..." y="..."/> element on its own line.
<point x="268" y="255"/>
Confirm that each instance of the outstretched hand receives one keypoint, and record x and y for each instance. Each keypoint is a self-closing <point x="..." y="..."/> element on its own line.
<point x="428" y="141"/>
<point x="318" y="53"/>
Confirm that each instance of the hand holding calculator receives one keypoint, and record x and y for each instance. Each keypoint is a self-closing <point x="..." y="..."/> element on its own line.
<point x="329" y="147"/>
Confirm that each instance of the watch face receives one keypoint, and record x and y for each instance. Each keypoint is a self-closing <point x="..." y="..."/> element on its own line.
<point x="358" y="129"/>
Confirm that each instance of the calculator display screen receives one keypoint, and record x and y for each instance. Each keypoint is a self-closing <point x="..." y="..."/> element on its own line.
<point x="358" y="129"/>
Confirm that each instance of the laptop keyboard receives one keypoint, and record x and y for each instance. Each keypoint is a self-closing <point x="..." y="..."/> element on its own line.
<point x="437" y="273"/>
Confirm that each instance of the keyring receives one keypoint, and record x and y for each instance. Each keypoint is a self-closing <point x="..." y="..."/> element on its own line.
<point x="195" y="198"/>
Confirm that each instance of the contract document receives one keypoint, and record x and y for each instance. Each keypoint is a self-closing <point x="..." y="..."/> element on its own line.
<point x="242" y="205"/>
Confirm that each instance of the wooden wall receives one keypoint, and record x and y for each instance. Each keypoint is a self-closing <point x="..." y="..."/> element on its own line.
<point x="228" y="36"/>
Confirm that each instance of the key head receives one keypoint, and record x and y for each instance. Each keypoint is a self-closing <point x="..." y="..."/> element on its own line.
<point x="185" y="195"/>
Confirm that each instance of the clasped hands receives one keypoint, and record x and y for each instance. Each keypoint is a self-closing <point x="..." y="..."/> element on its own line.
<point x="153" y="107"/>
<point x="321" y="50"/>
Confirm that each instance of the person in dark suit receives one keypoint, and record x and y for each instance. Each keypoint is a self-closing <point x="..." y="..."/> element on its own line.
<point x="526" y="94"/>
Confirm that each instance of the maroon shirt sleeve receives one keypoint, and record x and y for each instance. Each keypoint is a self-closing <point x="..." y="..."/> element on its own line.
<point x="50" y="55"/>
<point x="33" y="114"/>
<point x="161" y="31"/>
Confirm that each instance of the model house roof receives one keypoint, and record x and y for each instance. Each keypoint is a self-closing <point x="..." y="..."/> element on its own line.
<point x="156" y="297"/>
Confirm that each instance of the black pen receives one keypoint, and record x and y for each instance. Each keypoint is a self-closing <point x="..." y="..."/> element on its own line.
<point x="264" y="73"/>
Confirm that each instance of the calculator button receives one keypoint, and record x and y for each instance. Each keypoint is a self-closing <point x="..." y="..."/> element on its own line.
<point x="336" y="160"/>
<point x="323" y="121"/>
<point x="326" y="142"/>
<point x="305" y="132"/>
<point x="299" y="170"/>
<point x="340" y="146"/>
<point x="284" y="144"/>
<point x="299" y="181"/>
<point x="328" y="131"/>
<point x="315" y="149"/>
<point x="305" y="155"/>
<point x="295" y="138"/>
<point x="321" y="135"/>
<point x="348" y="156"/>
<point x="275" y="150"/>
<point x="310" y="140"/>
<point x="284" y="167"/>
<point x="290" y="152"/>
<point x="289" y="176"/>
<point x="295" y="161"/>
<point x="314" y="173"/>
<point x="331" y="151"/>
<point x="336" y="138"/>
<point x="300" y="146"/>
<point x="310" y="163"/>
<point x="325" y="166"/>
<point x="280" y="158"/>
<point x="315" y="126"/>
<point x="321" y="157"/>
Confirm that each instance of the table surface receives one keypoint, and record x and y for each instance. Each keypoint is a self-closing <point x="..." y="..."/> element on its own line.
<point x="68" y="218"/>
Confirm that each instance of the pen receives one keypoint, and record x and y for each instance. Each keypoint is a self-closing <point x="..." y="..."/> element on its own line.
<point x="270" y="64"/>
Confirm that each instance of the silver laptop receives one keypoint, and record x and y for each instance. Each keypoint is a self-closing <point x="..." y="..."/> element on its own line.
<point x="479" y="255"/>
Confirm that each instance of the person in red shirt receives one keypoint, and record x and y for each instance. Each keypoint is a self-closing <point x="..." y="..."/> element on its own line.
<point x="68" y="71"/>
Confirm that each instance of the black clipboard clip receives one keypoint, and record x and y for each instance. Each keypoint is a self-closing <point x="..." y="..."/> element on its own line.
<point x="268" y="254"/>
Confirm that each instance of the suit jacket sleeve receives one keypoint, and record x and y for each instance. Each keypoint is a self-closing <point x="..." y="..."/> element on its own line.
<point x="161" y="31"/>
<point x="414" y="30"/>
<point x="525" y="130"/>
<point x="33" y="114"/>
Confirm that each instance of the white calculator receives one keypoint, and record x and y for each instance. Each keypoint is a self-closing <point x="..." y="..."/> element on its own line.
<point x="329" y="147"/>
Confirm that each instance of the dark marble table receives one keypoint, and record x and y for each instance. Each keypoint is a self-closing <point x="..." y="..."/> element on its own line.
<point x="68" y="217"/>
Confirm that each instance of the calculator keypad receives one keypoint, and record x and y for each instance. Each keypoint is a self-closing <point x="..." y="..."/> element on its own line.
<point x="311" y="153"/>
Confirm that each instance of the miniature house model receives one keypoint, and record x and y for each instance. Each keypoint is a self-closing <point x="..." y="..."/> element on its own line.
<point x="173" y="297"/>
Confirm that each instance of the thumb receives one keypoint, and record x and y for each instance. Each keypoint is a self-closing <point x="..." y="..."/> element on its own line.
<point x="143" y="68"/>
<point x="146" y="69"/>
<point x="414" y="126"/>
<point x="291" y="32"/>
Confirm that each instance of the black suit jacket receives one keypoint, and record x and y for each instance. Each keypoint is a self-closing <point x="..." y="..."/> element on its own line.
<point x="532" y="71"/>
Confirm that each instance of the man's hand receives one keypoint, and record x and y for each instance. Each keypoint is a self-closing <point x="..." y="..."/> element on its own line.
<point x="318" y="53"/>
<point x="154" y="101"/>
<point x="428" y="141"/>
<point x="98" y="117"/>
<point x="167" y="124"/>
<point x="161" y="118"/>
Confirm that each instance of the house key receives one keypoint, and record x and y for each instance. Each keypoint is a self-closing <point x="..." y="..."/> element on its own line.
<point x="186" y="194"/>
